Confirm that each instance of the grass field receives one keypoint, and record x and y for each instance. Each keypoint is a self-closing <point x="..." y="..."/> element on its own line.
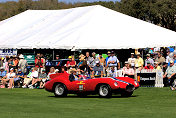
<point x="37" y="103"/>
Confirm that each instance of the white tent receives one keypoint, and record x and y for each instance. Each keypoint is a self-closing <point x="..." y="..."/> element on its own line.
<point x="92" y="27"/>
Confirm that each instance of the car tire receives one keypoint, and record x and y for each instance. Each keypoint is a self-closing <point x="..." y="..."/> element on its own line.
<point x="60" y="90"/>
<point x="104" y="91"/>
<point x="126" y="94"/>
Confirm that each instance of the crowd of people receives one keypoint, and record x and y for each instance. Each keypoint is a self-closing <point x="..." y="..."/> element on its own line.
<point x="14" y="72"/>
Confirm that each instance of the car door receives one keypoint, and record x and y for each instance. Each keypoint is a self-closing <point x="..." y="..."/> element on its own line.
<point x="79" y="85"/>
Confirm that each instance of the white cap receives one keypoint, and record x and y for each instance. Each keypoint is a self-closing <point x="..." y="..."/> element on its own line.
<point x="21" y="56"/>
<point x="56" y="70"/>
<point x="11" y="69"/>
<point x="97" y="62"/>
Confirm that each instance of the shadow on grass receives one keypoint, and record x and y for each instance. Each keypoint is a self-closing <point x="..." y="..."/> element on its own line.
<point x="94" y="97"/>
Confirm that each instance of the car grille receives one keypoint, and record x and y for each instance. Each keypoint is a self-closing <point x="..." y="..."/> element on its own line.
<point x="130" y="88"/>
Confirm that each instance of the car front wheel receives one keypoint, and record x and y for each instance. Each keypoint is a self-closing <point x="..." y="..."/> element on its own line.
<point x="105" y="91"/>
<point x="60" y="90"/>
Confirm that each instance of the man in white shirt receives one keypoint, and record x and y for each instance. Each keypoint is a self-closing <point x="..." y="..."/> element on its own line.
<point x="132" y="60"/>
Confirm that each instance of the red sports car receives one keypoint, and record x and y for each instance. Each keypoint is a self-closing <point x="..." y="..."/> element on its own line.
<point x="60" y="85"/>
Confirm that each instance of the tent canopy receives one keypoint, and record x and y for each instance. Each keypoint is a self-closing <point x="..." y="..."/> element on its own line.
<point x="91" y="27"/>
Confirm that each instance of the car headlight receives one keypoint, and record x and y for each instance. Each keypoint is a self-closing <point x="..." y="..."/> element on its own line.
<point x="115" y="84"/>
<point x="136" y="83"/>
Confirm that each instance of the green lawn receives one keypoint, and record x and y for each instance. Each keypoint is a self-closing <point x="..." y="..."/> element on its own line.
<point x="37" y="103"/>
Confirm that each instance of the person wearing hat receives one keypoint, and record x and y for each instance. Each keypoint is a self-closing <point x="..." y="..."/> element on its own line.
<point x="156" y="66"/>
<point x="22" y="64"/>
<point x="73" y="76"/>
<point x="125" y="66"/>
<point x="82" y="64"/>
<point x="70" y="62"/>
<point x="132" y="60"/>
<point x="139" y="62"/>
<point x="113" y="61"/>
<point x="169" y="75"/>
<point x="19" y="76"/>
<point x="9" y="78"/>
<point x="160" y="59"/>
<point x="148" y="66"/>
<point x="97" y="70"/>
<point x="150" y="60"/>
<point x="2" y="73"/>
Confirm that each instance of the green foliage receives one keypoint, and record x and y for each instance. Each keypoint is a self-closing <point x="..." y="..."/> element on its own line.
<point x="159" y="12"/>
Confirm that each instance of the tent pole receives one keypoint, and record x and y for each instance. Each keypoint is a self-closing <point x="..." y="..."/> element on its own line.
<point x="34" y="51"/>
<point x="53" y="54"/>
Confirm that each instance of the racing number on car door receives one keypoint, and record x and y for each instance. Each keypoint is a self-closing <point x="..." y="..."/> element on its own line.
<point x="81" y="85"/>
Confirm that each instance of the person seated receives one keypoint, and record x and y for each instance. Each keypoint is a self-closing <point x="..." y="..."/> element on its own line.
<point x="157" y="67"/>
<point x="73" y="76"/>
<point x="125" y="67"/>
<point x="9" y="78"/>
<point x="70" y="63"/>
<point x="169" y="76"/>
<point x="82" y="65"/>
<point x="97" y="70"/>
<point x="31" y="76"/>
<point x="42" y="79"/>
<point x="19" y="76"/>
<point x="149" y="66"/>
<point x="52" y="71"/>
<point x="2" y="73"/>
<point x="57" y="71"/>
<point x="63" y="70"/>
<point x="129" y="71"/>
<point x="112" y="72"/>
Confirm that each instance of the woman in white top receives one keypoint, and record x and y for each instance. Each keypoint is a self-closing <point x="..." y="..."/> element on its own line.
<point x="52" y="71"/>
<point x="9" y="77"/>
<point x="33" y="75"/>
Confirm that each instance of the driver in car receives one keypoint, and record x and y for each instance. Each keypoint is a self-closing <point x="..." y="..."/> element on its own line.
<point x="73" y="76"/>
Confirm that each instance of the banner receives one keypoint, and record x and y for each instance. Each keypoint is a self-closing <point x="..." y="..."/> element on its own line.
<point x="30" y="58"/>
<point x="8" y="52"/>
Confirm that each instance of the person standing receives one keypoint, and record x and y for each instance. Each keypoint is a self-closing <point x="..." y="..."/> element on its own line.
<point x="139" y="62"/>
<point x="131" y="60"/>
<point x="88" y="60"/>
<point x="113" y="61"/>
<point x="39" y="63"/>
<point x="23" y="64"/>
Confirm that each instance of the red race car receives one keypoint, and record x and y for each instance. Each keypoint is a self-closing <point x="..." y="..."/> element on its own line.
<point x="60" y="85"/>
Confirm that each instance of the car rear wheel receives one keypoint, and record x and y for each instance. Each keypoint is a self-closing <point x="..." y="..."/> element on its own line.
<point x="105" y="91"/>
<point x="126" y="94"/>
<point x="60" y="90"/>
